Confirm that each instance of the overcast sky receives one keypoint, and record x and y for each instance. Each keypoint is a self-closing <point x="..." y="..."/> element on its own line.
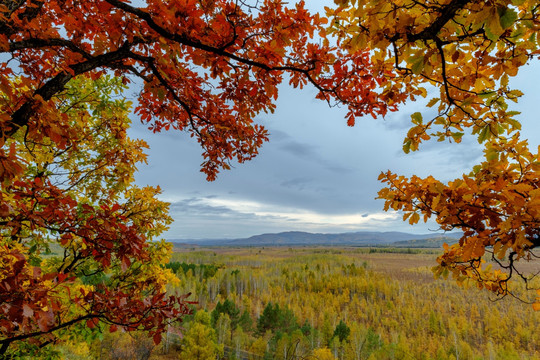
<point x="315" y="174"/>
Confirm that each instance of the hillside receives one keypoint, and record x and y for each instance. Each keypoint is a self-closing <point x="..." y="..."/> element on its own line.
<point x="362" y="238"/>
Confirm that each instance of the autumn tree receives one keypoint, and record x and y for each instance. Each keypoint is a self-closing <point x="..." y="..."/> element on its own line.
<point x="322" y="354"/>
<point x="200" y="340"/>
<point x="75" y="229"/>
<point x="66" y="164"/>
<point x="467" y="50"/>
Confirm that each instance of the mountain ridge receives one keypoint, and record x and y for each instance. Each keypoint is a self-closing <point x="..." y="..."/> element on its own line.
<point x="302" y="238"/>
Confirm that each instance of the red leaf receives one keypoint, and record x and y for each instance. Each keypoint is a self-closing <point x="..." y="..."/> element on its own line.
<point x="157" y="338"/>
<point x="92" y="323"/>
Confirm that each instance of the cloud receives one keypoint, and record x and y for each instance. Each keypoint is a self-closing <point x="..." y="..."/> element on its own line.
<point x="198" y="206"/>
<point x="300" y="150"/>
<point x="210" y="214"/>
<point x="310" y="153"/>
<point x="297" y="183"/>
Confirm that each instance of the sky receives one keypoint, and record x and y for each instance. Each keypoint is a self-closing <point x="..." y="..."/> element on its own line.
<point x="315" y="174"/>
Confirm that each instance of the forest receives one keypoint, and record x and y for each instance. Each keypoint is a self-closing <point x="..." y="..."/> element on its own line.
<point x="327" y="303"/>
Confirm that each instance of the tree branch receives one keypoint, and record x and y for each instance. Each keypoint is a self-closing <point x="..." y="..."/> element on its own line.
<point x="57" y="84"/>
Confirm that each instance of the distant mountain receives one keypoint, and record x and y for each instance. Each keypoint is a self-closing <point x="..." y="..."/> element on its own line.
<point x="362" y="238"/>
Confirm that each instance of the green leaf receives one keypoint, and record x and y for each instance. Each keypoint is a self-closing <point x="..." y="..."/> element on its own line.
<point x="417" y="64"/>
<point x="160" y="94"/>
<point x="467" y="101"/>
<point x="504" y="81"/>
<point x="493" y="26"/>
<point x="513" y="94"/>
<point x="492" y="154"/>
<point x="487" y="95"/>
<point x="445" y="273"/>
<point x="516" y="125"/>
<point x="485" y="134"/>
<point x="457" y="136"/>
<point x="407" y="146"/>
<point x="440" y="121"/>
<point x="490" y="35"/>
<point x="416" y="118"/>
<point x="508" y="18"/>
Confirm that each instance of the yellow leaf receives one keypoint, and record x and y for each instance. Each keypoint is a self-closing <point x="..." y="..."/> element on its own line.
<point x="414" y="218"/>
